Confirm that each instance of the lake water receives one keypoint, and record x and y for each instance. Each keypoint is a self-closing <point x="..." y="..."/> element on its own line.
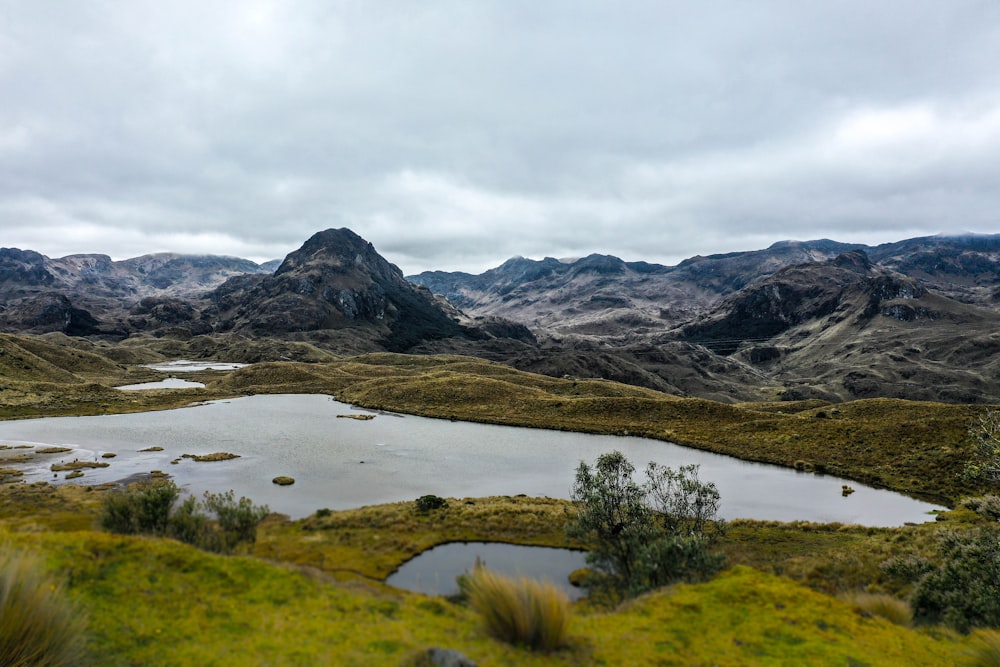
<point x="434" y="571"/>
<point x="185" y="366"/>
<point x="169" y="383"/>
<point x="343" y="463"/>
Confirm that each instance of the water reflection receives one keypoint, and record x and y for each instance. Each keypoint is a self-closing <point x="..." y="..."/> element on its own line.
<point x="344" y="463"/>
<point x="435" y="571"/>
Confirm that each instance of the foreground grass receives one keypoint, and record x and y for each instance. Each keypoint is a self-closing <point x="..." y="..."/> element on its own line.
<point x="156" y="601"/>
<point x="313" y="593"/>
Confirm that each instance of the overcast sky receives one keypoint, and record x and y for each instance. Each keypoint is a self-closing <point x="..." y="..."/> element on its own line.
<point x="456" y="134"/>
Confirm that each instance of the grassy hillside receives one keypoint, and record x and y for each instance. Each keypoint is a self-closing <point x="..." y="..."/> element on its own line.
<point x="158" y="602"/>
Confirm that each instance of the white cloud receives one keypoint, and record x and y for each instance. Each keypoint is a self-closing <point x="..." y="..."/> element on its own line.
<point x="454" y="134"/>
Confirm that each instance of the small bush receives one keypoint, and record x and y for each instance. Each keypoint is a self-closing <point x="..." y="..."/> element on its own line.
<point x="522" y="612"/>
<point x="987" y="506"/>
<point x="148" y="509"/>
<point x="961" y="586"/>
<point x="430" y="502"/>
<point x="189" y="525"/>
<point x="237" y="519"/>
<point x="884" y="606"/>
<point x="38" y="624"/>
<point x="141" y="508"/>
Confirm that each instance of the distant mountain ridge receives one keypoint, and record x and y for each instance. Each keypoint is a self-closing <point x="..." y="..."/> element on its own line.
<point x="604" y="296"/>
<point x="819" y="319"/>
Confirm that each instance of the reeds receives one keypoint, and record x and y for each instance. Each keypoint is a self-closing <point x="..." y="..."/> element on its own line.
<point x="38" y="624"/>
<point x="523" y="612"/>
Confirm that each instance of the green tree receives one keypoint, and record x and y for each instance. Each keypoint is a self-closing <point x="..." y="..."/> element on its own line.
<point x="647" y="535"/>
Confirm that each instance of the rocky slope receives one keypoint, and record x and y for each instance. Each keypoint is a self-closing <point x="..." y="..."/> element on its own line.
<point x="915" y="319"/>
<point x="91" y="294"/>
<point x="820" y="319"/>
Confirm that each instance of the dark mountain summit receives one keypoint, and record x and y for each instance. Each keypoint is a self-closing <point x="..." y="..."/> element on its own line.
<point x="336" y="280"/>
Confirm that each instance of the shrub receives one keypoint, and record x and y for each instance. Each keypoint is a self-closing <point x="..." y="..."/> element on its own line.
<point x="237" y="519"/>
<point x="984" y="432"/>
<point x="649" y="535"/>
<point x="987" y="506"/>
<point x="430" y="502"/>
<point x="143" y="508"/>
<point x="961" y="587"/>
<point x="147" y="509"/>
<point x="884" y="606"/>
<point x="523" y="612"/>
<point x="38" y="624"/>
<point x="189" y="525"/>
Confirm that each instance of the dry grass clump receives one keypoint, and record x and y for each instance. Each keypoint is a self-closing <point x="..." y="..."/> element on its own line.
<point x="523" y="612"/>
<point x="884" y="606"/>
<point x="986" y="649"/>
<point x="215" y="456"/>
<point x="77" y="465"/>
<point x="38" y="624"/>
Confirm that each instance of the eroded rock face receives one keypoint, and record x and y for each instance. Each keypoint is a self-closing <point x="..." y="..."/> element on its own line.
<point x="48" y="312"/>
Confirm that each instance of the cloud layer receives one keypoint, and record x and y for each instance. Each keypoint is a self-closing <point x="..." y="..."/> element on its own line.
<point x="454" y="134"/>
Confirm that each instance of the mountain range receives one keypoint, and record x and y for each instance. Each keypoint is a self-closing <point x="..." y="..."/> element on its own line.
<point x="819" y="319"/>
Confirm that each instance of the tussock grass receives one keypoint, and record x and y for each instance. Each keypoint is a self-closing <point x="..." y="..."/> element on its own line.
<point x="523" y="612"/>
<point x="884" y="606"/>
<point x="985" y="651"/>
<point x="39" y="626"/>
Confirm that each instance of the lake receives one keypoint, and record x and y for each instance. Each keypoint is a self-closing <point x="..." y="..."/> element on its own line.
<point x="343" y="463"/>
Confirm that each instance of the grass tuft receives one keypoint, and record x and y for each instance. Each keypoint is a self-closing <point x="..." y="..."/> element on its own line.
<point x="38" y="624"/>
<point x="523" y="612"/>
<point x="884" y="606"/>
<point x="986" y="649"/>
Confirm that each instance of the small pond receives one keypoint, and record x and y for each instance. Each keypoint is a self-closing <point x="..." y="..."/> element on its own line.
<point x="185" y="366"/>
<point x="169" y="383"/>
<point x="344" y="463"/>
<point x="434" y="571"/>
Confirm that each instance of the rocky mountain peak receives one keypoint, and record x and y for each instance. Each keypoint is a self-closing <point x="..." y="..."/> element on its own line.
<point x="339" y="251"/>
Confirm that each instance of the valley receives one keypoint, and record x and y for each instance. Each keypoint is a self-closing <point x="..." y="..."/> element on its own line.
<point x="859" y="363"/>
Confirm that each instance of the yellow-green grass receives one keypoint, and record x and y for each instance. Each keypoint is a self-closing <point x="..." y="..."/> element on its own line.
<point x="985" y="650"/>
<point x="523" y="612"/>
<point x="156" y="601"/>
<point x="38" y="623"/>
<point x="884" y="606"/>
